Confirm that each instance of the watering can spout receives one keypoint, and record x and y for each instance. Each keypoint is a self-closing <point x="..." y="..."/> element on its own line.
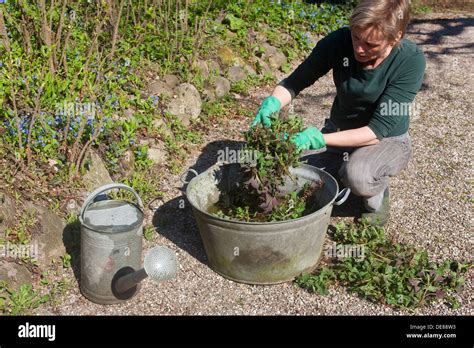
<point x="128" y="281"/>
<point x="160" y="264"/>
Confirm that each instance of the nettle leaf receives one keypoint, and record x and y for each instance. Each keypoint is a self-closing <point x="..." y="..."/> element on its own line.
<point x="253" y="183"/>
<point x="440" y="293"/>
<point x="260" y="189"/>
<point x="414" y="282"/>
<point x="269" y="204"/>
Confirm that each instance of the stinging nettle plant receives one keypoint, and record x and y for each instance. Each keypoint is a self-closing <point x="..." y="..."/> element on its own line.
<point x="391" y="273"/>
<point x="257" y="196"/>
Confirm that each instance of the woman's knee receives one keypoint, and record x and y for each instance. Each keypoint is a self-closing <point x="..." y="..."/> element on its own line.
<point x="358" y="176"/>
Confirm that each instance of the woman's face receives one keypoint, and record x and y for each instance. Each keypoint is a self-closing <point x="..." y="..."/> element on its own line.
<point x="369" y="44"/>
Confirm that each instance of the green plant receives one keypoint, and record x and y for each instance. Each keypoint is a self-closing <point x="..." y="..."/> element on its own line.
<point x="145" y="182"/>
<point x="55" y="288"/>
<point x="58" y="290"/>
<point x="182" y="134"/>
<point x="69" y="71"/>
<point x="418" y="7"/>
<point x="53" y="92"/>
<point x="391" y="273"/>
<point x="149" y="232"/>
<point x="66" y="260"/>
<point x="179" y="143"/>
<point x="215" y="112"/>
<point x="20" y="233"/>
<point x="141" y="157"/>
<point x="54" y="206"/>
<point x="256" y="197"/>
<point x="71" y="218"/>
<point x="20" y="302"/>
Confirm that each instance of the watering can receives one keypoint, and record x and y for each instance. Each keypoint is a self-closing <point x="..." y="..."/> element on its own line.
<point x="111" y="244"/>
<point x="111" y="249"/>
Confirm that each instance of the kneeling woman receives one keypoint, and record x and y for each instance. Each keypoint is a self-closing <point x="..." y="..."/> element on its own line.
<point x="377" y="74"/>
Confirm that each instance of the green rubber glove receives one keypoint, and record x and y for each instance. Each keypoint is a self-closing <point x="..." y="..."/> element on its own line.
<point x="309" y="139"/>
<point x="269" y="106"/>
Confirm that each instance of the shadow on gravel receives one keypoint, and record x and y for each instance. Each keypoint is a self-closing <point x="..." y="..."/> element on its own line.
<point x="174" y="219"/>
<point x="449" y="27"/>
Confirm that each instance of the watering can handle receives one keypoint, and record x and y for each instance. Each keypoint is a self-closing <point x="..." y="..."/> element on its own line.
<point x="104" y="188"/>
<point x="342" y="196"/>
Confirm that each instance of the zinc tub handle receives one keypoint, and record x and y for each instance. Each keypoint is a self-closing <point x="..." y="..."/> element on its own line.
<point x="185" y="174"/>
<point x="342" y="196"/>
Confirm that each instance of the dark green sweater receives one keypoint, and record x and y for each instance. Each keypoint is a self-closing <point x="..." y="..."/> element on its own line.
<point x="378" y="98"/>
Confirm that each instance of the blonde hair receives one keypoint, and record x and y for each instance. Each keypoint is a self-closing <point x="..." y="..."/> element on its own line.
<point x="388" y="16"/>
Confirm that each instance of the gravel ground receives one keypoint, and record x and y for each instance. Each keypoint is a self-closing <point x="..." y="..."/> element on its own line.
<point x="430" y="199"/>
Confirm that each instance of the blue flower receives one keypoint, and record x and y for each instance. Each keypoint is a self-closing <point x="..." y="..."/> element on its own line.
<point x="305" y="36"/>
<point x="155" y="99"/>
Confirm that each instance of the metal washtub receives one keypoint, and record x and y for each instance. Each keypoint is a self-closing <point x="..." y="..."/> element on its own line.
<point x="262" y="252"/>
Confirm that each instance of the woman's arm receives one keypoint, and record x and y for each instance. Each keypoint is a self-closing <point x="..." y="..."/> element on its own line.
<point x="282" y="94"/>
<point x="316" y="65"/>
<point x="352" y="138"/>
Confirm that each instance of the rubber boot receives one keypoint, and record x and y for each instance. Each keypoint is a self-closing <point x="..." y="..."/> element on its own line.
<point x="381" y="215"/>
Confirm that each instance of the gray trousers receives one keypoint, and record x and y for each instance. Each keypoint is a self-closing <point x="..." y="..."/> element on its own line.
<point x="365" y="170"/>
